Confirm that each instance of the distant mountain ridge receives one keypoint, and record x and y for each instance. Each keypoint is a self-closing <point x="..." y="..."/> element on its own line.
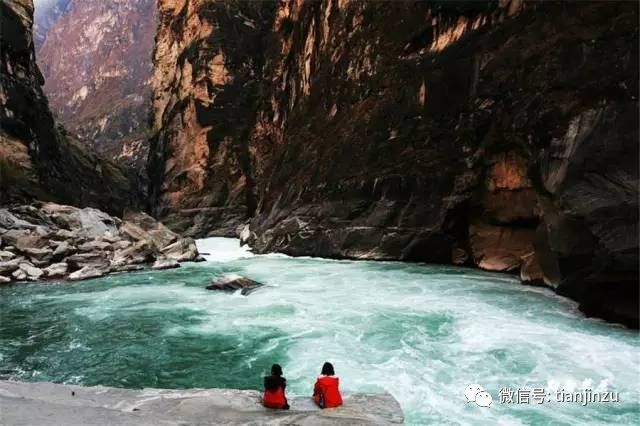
<point x="95" y="56"/>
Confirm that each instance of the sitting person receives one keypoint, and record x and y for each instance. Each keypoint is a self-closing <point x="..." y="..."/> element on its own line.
<point x="274" y="389"/>
<point x="326" y="392"/>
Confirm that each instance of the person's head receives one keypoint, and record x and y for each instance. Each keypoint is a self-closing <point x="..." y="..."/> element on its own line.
<point x="327" y="369"/>
<point x="276" y="370"/>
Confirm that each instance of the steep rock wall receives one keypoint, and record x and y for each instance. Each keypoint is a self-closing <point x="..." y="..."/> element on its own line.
<point x="208" y="59"/>
<point x="95" y="56"/>
<point x="37" y="158"/>
<point x="501" y="135"/>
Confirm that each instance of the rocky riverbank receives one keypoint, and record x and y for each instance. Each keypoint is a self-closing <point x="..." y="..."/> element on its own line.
<point x="48" y="241"/>
<point x="47" y="403"/>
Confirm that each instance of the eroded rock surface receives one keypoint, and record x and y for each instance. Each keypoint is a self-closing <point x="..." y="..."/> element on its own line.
<point x="52" y="241"/>
<point x="47" y="403"/>
<point x="37" y="158"/>
<point x="502" y="135"/>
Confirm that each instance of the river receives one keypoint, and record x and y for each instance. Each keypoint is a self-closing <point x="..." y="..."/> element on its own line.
<point x="423" y="333"/>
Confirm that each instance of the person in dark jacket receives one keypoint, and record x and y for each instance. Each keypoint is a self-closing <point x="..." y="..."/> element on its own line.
<point x="274" y="386"/>
<point x="326" y="392"/>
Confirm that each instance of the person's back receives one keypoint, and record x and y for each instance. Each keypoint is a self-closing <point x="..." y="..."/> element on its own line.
<point x="326" y="392"/>
<point x="274" y="386"/>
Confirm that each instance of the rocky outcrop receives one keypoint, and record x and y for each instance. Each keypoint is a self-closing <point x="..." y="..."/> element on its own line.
<point x="52" y="242"/>
<point x="208" y="59"/>
<point x="233" y="283"/>
<point x="47" y="403"/>
<point x="501" y="135"/>
<point x="37" y="158"/>
<point x="95" y="56"/>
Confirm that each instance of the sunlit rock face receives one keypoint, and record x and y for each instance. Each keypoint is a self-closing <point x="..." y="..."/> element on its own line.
<point x="37" y="158"/>
<point x="208" y="63"/>
<point x="95" y="56"/>
<point x="501" y="135"/>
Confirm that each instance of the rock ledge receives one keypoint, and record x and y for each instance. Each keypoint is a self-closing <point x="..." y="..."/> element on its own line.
<point x="37" y="404"/>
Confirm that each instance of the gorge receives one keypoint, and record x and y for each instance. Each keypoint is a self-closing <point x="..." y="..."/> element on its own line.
<point x="394" y="170"/>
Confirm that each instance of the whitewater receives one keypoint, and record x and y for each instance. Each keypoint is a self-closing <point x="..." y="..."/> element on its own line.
<point x="424" y="333"/>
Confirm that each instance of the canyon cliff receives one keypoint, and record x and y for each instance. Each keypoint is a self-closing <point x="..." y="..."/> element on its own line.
<point x="95" y="56"/>
<point x="39" y="159"/>
<point x="501" y="135"/>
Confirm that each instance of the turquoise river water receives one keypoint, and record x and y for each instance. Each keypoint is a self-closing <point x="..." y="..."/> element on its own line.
<point x="422" y="333"/>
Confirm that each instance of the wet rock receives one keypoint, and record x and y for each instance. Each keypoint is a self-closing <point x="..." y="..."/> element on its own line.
<point x="9" y="266"/>
<point x="139" y="252"/>
<point x="183" y="250"/>
<point x="57" y="270"/>
<point x="244" y="235"/>
<point x="19" y="275"/>
<point x="498" y="248"/>
<point x="32" y="273"/>
<point x="4" y="280"/>
<point x="127" y="268"/>
<point x="234" y="283"/>
<point x="165" y="264"/>
<point x="88" y="272"/>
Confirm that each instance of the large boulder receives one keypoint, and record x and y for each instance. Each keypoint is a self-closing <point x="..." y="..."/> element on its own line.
<point x="233" y="283"/>
<point x="9" y="266"/>
<point x="32" y="273"/>
<point x="81" y="260"/>
<point x="57" y="270"/>
<point x="87" y="272"/>
<point x="165" y="264"/>
<point x="140" y="226"/>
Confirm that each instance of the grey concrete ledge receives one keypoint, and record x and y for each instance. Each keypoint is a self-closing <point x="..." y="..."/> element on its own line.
<point x="36" y="404"/>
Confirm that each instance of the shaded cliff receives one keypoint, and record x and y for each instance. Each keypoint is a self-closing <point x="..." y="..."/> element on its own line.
<point x="208" y="60"/>
<point x="37" y="158"/>
<point x="95" y="56"/>
<point x="501" y="135"/>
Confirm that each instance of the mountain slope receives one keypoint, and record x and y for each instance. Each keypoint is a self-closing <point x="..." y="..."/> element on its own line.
<point x="37" y="158"/>
<point x="95" y="56"/>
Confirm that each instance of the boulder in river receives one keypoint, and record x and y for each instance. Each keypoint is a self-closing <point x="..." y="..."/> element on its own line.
<point x="233" y="283"/>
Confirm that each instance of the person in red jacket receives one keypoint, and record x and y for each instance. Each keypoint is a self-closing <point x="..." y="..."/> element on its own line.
<point x="326" y="391"/>
<point x="274" y="386"/>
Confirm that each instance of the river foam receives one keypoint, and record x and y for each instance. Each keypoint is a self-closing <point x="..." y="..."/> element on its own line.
<point x="422" y="333"/>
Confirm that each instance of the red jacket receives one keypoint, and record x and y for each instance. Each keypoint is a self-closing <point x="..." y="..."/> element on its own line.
<point x="274" y="392"/>
<point x="326" y="392"/>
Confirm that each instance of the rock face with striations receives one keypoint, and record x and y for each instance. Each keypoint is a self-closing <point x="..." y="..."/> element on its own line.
<point x="95" y="56"/>
<point x="37" y="158"/>
<point x="208" y="61"/>
<point x="500" y="134"/>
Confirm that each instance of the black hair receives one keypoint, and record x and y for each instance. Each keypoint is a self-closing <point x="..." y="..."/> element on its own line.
<point x="276" y="370"/>
<point x="327" y="369"/>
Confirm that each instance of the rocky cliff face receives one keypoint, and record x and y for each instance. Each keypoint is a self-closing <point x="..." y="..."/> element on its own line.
<point x="501" y="135"/>
<point x="208" y="61"/>
<point x="38" y="159"/>
<point x="95" y="56"/>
